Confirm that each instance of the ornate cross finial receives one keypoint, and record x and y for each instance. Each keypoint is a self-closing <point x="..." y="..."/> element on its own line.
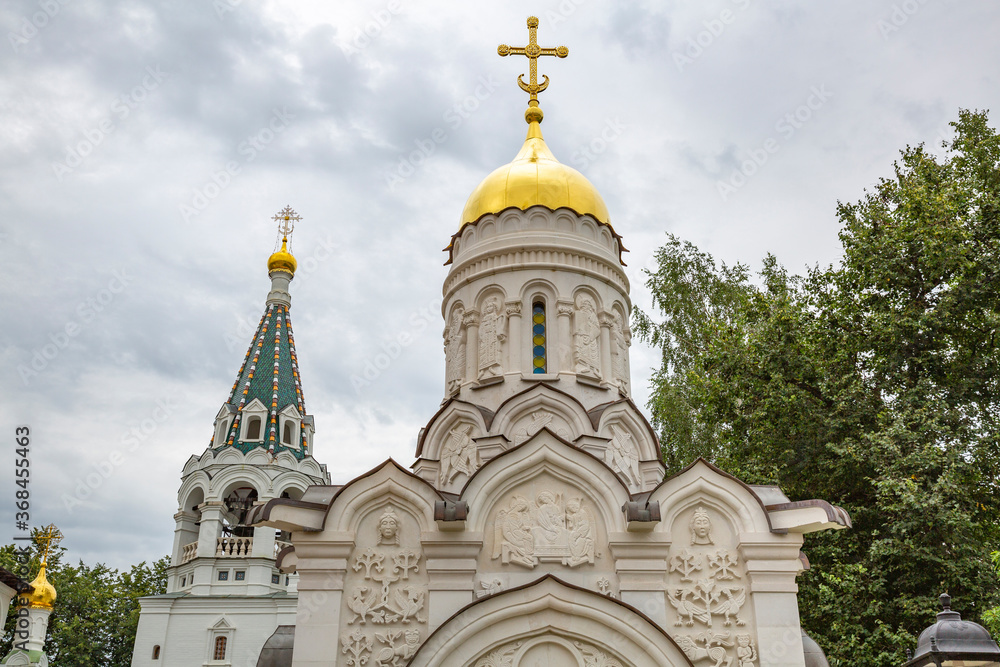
<point x="286" y="219"/>
<point x="533" y="51"/>
<point x="51" y="537"/>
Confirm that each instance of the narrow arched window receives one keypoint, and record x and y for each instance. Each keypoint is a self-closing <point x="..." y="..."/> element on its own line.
<point x="253" y="429"/>
<point x="156" y="652"/>
<point x="286" y="436"/>
<point x="538" y="337"/>
<point x="220" y="649"/>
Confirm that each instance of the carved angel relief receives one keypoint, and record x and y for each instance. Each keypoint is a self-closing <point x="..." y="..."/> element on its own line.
<point x="621" y="338"/>
<point x="708" y="587"/>
<point x="459" y="454"/>
<point x="622" y="455"/>
<point x="547" y="530"/>
<point x="387" y="593"/>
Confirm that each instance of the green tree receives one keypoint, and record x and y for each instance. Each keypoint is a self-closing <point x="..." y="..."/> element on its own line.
<point x="872" y="384"/>
<point x="96" y="612"/>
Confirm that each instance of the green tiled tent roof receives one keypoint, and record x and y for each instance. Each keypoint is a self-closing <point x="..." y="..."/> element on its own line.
<point x="270" y="374"/>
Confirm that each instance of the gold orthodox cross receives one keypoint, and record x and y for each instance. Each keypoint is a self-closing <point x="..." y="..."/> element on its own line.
<point x="286" y="219"/>
<point x="51" y="537"/>
<point x="533" y="52"/>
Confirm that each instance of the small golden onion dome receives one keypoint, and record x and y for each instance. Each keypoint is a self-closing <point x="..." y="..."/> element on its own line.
<point x="43" y="594"/>
<point x="282" y="260"/>
<point x="534" y="178"/>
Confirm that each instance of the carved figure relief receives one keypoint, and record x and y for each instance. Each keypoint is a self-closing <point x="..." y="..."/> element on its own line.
<point x="454" y="351"/>
<point x="587" y="338"/>
<point x="547" y="530"/>
<point x="459" y="454"/>
<point x="491" y="337"/>
<point x="385" y="588"/>
<point x="621" y="338"/>
<point x="539" y="420"/>
<point x="622" y="454"/>
<point x="745" y="651"/>
<point x="708" y="592"/>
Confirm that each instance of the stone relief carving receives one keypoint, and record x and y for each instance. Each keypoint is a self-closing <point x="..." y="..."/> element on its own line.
<point x="548" y="530"/>
<point x="513" y="308"/>
<point x="385" y="593"/>
<point x="587" y="338"/>
<point x="621" y="338"/>
<point x="708" y="586"/>
<point x="539" y="420"/>
<point x="501" y="657"/>
<point x="454" y="351"/>
<point x="459" y="454"/>
<point x="604" y="585"/>
<point x="622" y="454"/>
<point x="491" y="338"/>
<point x="746" y="653"/>
<point x="489" y="587"/>
<point x="594" y="657"/>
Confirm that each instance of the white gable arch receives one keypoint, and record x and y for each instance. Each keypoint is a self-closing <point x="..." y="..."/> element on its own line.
<point x="518" y="411"/>
<point x="453" y="415"/>
<point x="387" y="484"/>
<point x="702" y="482"/>
<point x="545" y="453"/>
<point x="584" y="626"/>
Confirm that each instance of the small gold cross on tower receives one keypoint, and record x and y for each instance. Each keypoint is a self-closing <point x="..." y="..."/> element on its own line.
<point x="51" y="537"/>
<point x="533" y="51"/>
<point x="286" y="219"/>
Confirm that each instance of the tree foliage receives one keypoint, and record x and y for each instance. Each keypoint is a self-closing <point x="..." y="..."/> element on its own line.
<point x="872" y="384"/>
<point x="96" y="612"/>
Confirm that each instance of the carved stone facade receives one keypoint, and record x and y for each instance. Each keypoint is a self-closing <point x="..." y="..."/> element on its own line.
<point x="385" y="594"/>
<point x="709" y="591"/>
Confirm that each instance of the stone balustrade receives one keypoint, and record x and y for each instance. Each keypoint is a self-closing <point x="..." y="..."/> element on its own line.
<point x="190" y="551"/>
<point x="233" y="547"/>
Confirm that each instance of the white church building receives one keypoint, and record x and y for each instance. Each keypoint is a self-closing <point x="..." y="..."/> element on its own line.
<point x="535" y="525"/>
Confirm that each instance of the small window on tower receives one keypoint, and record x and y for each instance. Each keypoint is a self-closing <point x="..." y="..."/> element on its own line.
<point x="286" y="436"/>
<point x="156" y="652"/>
<point x="253" y="429"/>
<point x="183" y="582"/>
<point x="275" y="578"/>
<point x="241" y="575"/>
<point x="223" y="575"/>
<point x="220" y="649"/>
<point x="538" y="337"/>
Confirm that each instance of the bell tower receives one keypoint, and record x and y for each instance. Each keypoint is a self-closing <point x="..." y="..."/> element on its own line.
<point x="223" y="586"/>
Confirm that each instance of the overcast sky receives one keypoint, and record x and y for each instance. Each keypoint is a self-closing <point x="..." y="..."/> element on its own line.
<point x="146" y="146"/>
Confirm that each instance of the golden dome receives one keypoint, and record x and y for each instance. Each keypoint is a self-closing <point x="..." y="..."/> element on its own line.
<point x="43" y="593"/>
<point x="535" y="178"/>
<point x="282" y="260"/>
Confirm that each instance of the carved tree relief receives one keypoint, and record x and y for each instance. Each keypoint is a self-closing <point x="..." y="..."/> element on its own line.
<point x="492" y="334"/>
<point x="548" y="530"/>
<point x="708" y="591"/>
<point x="459" y="454"/>
<point x="385" y="591"/>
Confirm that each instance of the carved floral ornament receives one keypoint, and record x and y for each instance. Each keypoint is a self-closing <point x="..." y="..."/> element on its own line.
<point x="387" y="594"/>
<point x="505" y="655"/>
<point x="708" y="586"/>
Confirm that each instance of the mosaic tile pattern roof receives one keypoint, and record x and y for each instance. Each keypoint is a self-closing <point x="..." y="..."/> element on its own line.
<point x="270" y="374"/>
